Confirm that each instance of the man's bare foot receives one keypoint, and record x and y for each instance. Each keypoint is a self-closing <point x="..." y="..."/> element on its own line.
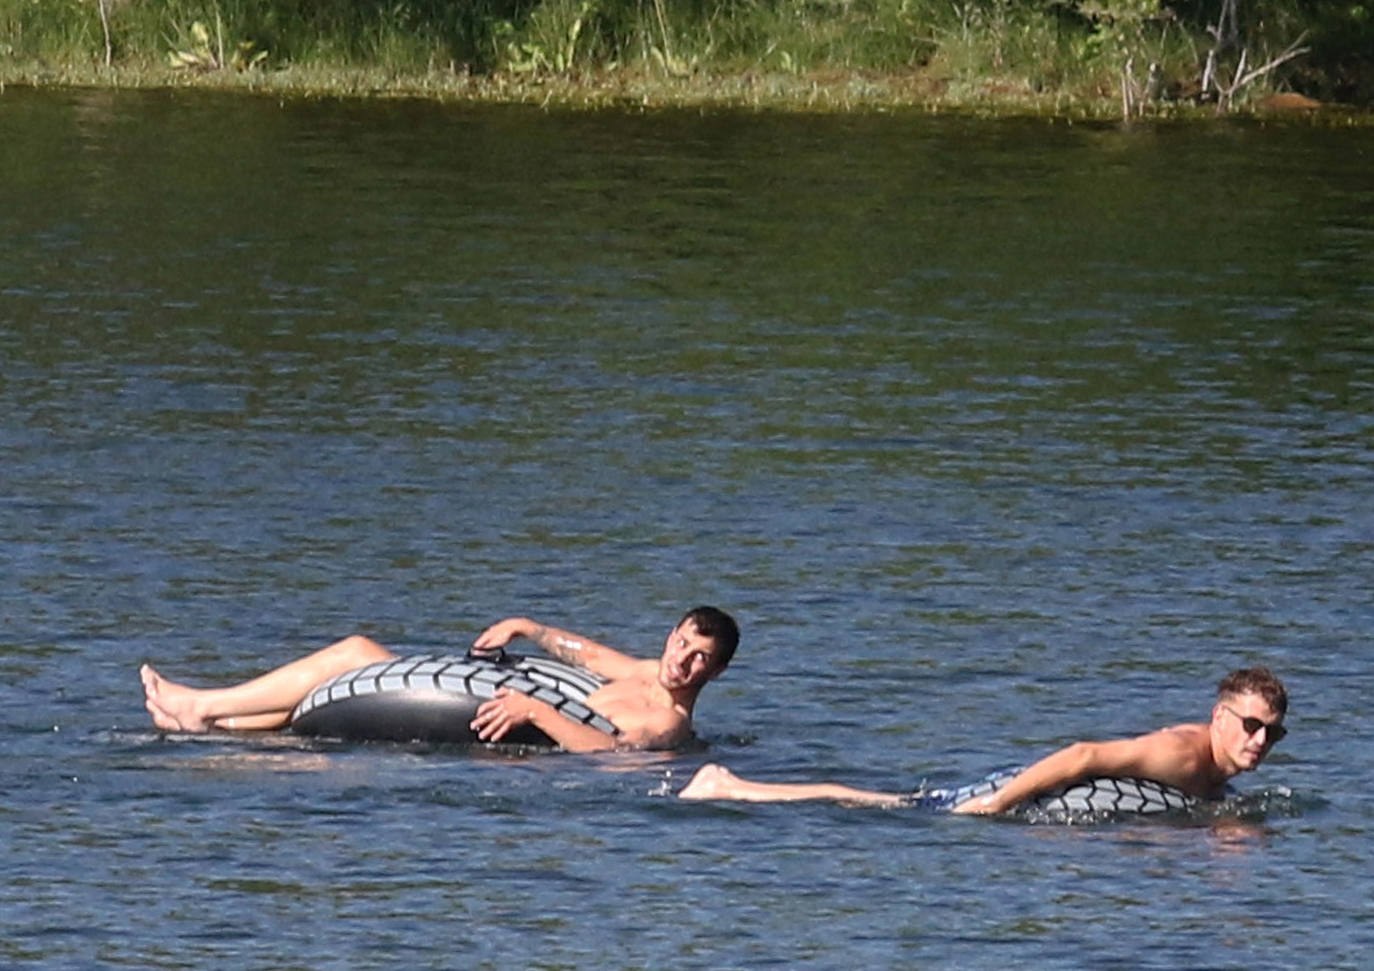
<point x="161" y="719"/>
<point x="172" y="705"/>
<point x="712" y="781"/>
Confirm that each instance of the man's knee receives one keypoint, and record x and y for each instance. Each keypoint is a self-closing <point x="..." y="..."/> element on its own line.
<point x="363" y="650"/>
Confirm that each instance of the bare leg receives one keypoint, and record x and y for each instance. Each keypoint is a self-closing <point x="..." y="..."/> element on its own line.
<point x="262" y="703"/>
<point x="717" y="782"/>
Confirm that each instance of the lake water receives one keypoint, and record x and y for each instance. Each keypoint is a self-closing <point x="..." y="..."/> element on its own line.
<point x="992" y="434"/>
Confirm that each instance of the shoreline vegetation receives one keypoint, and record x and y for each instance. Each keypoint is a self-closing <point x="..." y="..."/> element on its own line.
<point x="1074" y="59"/>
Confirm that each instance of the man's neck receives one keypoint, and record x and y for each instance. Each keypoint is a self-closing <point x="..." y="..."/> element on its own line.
<point x="1220" y="769"/>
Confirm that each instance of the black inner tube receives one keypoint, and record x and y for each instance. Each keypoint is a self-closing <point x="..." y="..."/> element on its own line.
<point x="433" y="698"/>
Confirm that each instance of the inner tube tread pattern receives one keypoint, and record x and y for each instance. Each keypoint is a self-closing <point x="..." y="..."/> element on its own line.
<point x="562" y="686"/>
<point x="1124" y="796"/>
<point x="1129" y="796"/>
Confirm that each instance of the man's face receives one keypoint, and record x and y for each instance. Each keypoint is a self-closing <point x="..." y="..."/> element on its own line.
<point x="1232" y="716"/>
<point x="689" y="657"/>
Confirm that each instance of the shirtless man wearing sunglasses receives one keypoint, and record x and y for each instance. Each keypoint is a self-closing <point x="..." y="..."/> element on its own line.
<point x="1198" y="759"/>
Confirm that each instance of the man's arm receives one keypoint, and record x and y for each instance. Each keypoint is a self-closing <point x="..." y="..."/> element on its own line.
<point x="1164" y="756"/>
<point x="507" y="709"/>
<point x="562" y="644"/>
<point x="717" y="782"/>
<point x="495" y="718"/>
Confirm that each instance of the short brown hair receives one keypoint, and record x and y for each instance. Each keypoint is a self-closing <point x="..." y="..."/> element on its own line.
<point x="716" y="624"/>
<point x="1255" y="681"/>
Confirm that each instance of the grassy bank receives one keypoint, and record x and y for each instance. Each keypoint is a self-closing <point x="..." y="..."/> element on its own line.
<point x="1068" y="57"/>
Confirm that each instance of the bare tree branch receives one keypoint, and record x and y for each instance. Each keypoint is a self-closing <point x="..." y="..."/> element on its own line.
<point x="1293" y="50"/>
<point x="105" y="23"/>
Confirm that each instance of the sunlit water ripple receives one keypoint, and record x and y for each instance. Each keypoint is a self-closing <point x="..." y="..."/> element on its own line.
<point x="994" y="435"/>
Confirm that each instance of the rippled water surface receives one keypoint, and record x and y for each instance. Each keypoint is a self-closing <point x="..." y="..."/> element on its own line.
<point x="992" y="434"/>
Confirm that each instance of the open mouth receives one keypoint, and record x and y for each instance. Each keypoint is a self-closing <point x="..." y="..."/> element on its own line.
<point x="677" y="672"/>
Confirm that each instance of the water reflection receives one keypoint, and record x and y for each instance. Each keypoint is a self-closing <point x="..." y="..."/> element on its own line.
<point x="1234" y="836"/>
<point x="994" y="435"/>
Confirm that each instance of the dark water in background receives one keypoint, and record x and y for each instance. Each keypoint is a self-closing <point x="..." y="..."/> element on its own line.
<point x="993" y="435"/>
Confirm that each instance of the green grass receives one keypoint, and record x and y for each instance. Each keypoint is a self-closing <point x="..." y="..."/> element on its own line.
<point x="1043" y="56"/>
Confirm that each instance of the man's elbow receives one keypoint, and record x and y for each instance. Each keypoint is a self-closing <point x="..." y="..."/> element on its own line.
<point x="647" y="741"/>
<point x="588" y="739"/>
<point x="587" y="747"/>
<point x="1080" y="759"/>
<point x="643" y="743"/>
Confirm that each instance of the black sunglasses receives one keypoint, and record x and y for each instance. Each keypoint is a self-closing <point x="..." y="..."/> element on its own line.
<point x="1273" y="731"/>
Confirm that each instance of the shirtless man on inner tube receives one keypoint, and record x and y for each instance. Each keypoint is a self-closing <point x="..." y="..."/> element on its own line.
<point x="649" y="702"/>
<point x="1198" y="759"/>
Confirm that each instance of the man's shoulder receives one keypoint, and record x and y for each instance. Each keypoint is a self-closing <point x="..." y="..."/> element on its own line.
<point x="638" y="669"/>
<point x="1187" y="733"/>
<point x="1187" y="738"/>
<point x="1179" y="755"/>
